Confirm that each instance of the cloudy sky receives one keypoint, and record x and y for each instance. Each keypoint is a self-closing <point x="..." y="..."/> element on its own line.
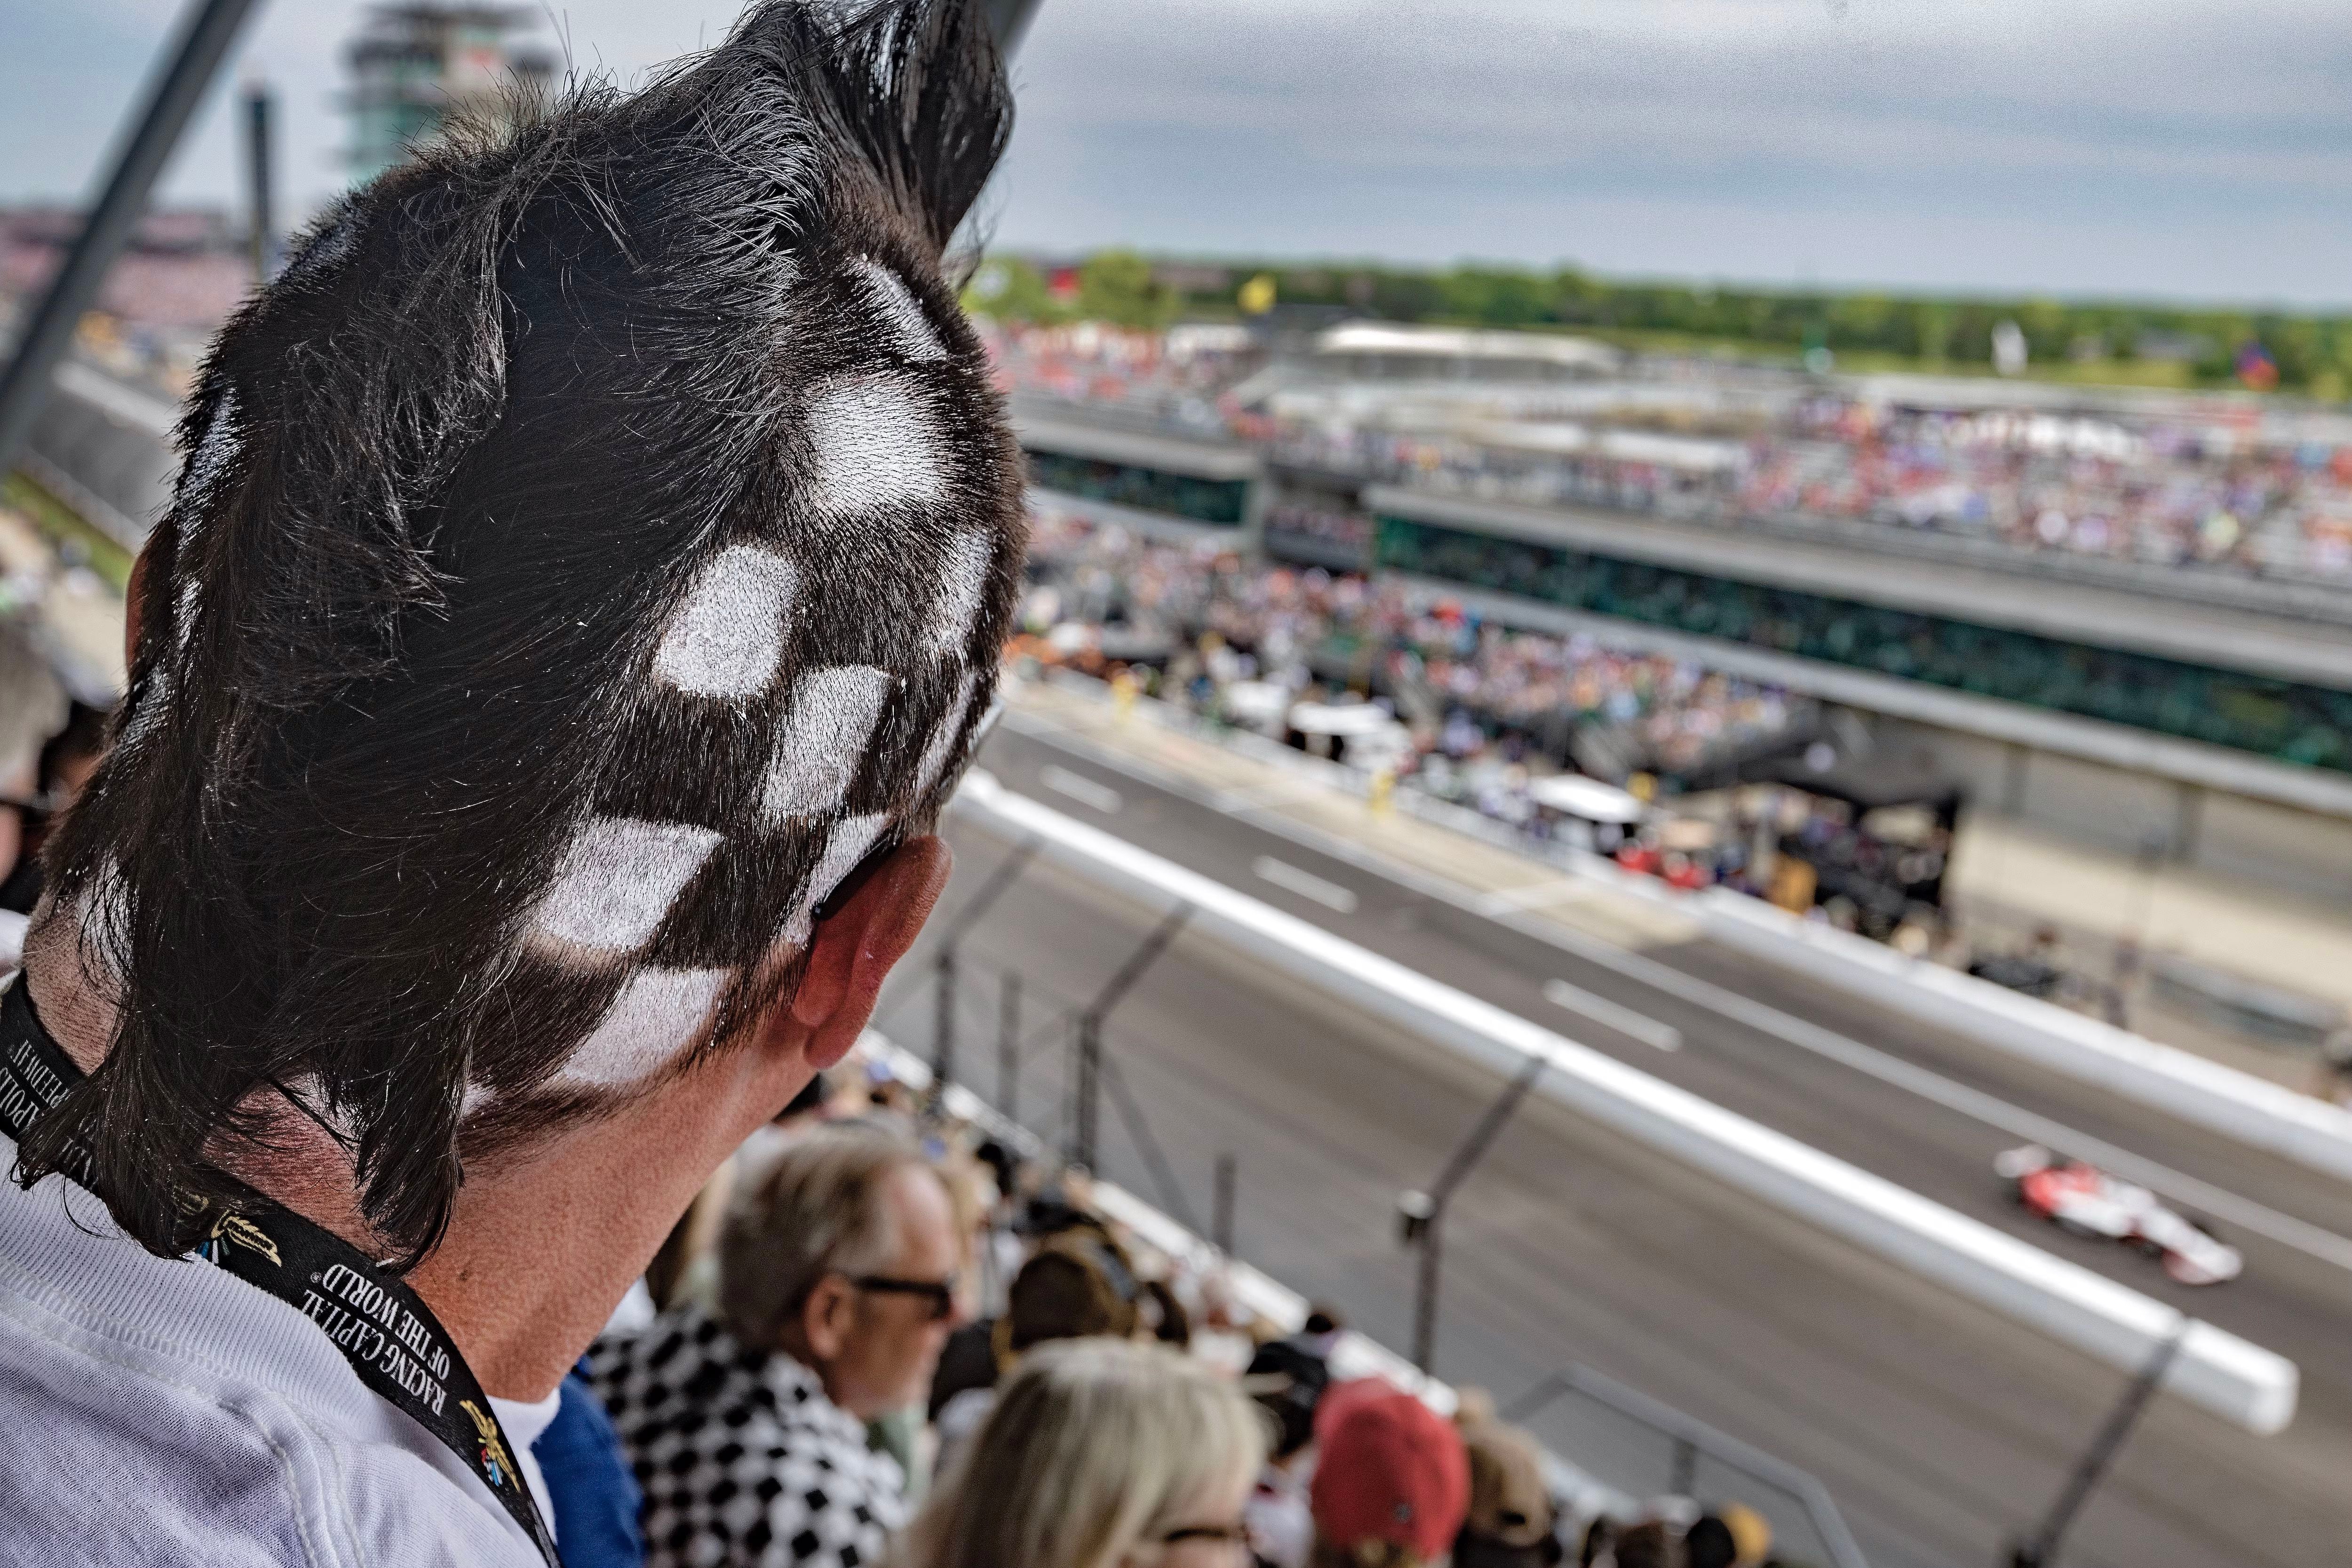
<point x="2180" y="148"/>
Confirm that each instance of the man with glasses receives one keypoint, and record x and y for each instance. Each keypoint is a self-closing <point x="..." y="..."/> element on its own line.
<point x="747" y="1426"/>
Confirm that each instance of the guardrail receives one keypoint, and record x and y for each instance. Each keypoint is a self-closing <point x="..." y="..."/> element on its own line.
<point x="2239" y="1105"/>
<point x="2238" y="1380"/>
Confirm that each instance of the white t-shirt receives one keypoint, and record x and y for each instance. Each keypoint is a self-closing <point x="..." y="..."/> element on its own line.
<point x="524" y="1425"/>
<point x="160" y="1410"/>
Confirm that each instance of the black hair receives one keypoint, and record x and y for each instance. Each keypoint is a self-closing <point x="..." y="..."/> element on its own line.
<point x="83" y="738"/>
<point x="407" y="707"/>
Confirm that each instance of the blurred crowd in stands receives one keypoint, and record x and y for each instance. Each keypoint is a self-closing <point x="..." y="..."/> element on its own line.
<point x="888" y="1334"/>
<point x="1178" y="378"/>
<point x="176" y="282"/>
<point x="2164" y="481"/>
<point x="1706" y="771"/>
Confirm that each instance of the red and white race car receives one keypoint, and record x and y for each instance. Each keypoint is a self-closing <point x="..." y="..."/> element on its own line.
<point x="2087" y="1201"/>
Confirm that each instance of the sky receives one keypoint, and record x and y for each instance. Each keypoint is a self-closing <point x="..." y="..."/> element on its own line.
<point x="2176" y="149"/>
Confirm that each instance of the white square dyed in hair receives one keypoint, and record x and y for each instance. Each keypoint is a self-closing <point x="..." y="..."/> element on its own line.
<point x="659" y="1014"/>
<point x="877" y="445"/>
<point x="618" y="879"/>
<point x="844" y="847"/>
<point x="942" y="746"/>
<point x="964" y="578"/>
<point x="726" y="636"/>
<point x="821" y="742"/>
<point x="902" y="315"/>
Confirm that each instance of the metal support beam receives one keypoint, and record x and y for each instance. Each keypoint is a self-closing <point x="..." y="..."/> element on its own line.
<point x="1425" y="1212"/>
<point x="262" y="209"/>
<point x="1086" y="1119"/>
<point x="1008" y="1046"/>
<point x="203" y="43"/>
<point x="943" y="1019"/>
<point x="1221" y="1212"/>
<point x="2041" y="1550"/>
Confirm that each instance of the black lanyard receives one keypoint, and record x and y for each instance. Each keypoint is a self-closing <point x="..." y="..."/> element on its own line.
<point x="381" y="1327"/>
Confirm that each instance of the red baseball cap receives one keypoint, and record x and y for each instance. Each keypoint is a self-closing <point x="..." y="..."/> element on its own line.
<point x="1391" y="1469"/>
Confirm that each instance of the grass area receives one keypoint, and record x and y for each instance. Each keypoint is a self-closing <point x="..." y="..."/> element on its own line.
<point x="64" y="527"/>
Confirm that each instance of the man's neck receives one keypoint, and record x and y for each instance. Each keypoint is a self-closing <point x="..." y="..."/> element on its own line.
<point x="791" y="1343"/>
<point x="538" y="1252"/>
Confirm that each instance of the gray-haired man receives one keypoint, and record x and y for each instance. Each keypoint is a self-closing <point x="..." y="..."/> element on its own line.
<point x="747" y="1427"/>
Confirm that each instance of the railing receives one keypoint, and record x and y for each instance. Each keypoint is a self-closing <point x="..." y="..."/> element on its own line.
<point x="1645" y="1447"/>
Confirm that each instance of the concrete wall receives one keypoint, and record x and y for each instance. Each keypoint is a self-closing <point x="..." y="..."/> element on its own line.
<point x="2121" y="811"/>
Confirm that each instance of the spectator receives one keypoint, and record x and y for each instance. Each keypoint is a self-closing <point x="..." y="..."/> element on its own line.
<point x="1751" y="1536"/>
<point x="34" y="709"/>
<point x="748" y="1428"/>
<point x="509" y="794"/>
<point x="1649" y="1544"/>
<point x="1392" y="1484"/>
<point x="1709" y="1543"/>
<point x="1077" y="1286"/>
<point x="1319" y="1335"/>
<point x="1509" y="1523"/>
<point x="1287" y="1379"/>
<point x="594" y="1501"/>
<point x="1102" y="1453"/>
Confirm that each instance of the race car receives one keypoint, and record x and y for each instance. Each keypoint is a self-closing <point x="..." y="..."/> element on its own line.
<point x="2086" y="1200"/>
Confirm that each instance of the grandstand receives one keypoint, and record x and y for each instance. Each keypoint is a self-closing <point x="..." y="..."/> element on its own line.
<point x="2118" y="615"/>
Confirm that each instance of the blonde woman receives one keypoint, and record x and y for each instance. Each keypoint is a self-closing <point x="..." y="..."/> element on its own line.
<point x="1100" y="1452"/>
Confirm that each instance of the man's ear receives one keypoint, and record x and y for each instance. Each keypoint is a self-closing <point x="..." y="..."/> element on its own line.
<point x="854" y="947"/>
<point x="827" y="1317"/>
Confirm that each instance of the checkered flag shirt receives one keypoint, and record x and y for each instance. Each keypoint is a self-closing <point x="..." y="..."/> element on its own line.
<point x="743" y="1460"/>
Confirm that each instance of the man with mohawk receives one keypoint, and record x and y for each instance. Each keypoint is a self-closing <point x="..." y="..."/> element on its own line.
<point x="582" y="591"/>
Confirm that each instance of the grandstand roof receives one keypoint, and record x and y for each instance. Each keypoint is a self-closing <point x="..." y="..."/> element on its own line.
<point x="1454" y="344"/>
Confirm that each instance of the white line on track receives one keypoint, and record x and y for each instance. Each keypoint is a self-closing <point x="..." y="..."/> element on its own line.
<point x="1083" y="790"/>
<point x="1305" y="884"/>
<point x="1552" y="890"/>
<point x="1609" y="1015"/>
<point x="1988" y="1110"/>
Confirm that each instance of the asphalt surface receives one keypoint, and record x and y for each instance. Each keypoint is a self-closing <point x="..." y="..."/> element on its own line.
<point x="1940" y="1427"/>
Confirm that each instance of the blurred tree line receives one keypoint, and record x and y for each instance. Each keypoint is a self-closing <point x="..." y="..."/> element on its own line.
<point x="2307" y="354"/>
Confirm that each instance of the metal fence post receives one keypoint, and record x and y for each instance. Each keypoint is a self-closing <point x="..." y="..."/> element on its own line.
<point x="943" y="999"/>
<point x="2043" y="1548"/>
<point x="1685" y="1471"/>
<point x="1087" y="1113"/>
<point x="943" y="1024"/>
<point x="1221" y="1212"/>
<point x="1424" y="1213"/>
<point x="1424" y="1296"/>
<point x="1008" y="1046"/>
<point x="1086" y="1127"/>
<point x="1085" y="1092"/>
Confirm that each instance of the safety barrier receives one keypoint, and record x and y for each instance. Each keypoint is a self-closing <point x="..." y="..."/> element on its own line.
<point x="2242" y="1382"/>
<point x="2220" y="1098"/>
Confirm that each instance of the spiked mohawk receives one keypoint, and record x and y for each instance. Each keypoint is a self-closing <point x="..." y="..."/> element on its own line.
<point x="594" y="546"/>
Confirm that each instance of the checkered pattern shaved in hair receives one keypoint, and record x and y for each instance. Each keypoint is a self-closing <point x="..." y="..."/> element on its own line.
<point x="594" y="545"/>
